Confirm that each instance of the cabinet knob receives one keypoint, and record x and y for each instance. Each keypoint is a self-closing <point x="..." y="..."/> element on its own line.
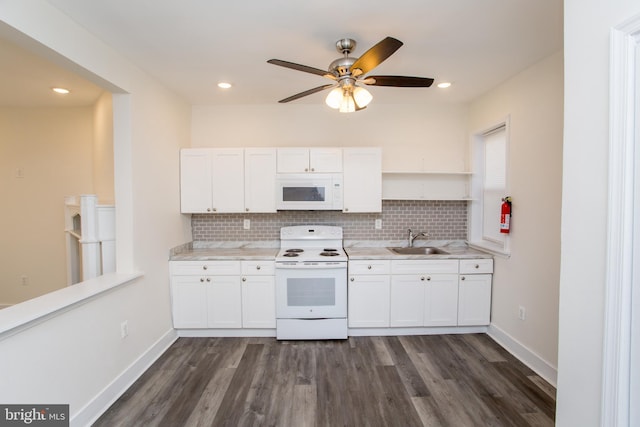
<point x="428" y="278"/>
<point x="352" y="279"/>
<point x="215" y="209"/>
<point x="202" y="279"/>
<point x="422" y="278"/>
<point x="312" y="169"/>
<point x="208" y="279"/>
<point x="204" y="267"/>
<point x="306" y="169"/>
<point x="477" y="265"/>
<point x="246" y="209"/>
<point x="462" y="278"/>
<point x="346" y="209"/>
<point x="208" y="209"/>
<point x="244" y="279"/>
<point x="368" y="267"/>
<point x="257" y="267"/>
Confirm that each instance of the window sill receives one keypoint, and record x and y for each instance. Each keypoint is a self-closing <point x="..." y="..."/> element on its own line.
<point x="29" y="313"/>
<point x="492" y="248"/>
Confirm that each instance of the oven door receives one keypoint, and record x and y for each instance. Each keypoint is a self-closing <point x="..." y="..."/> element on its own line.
<point x="311" y="291"/>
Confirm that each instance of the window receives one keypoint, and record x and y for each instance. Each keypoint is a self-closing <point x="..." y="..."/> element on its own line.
<point x="488" y="187"/>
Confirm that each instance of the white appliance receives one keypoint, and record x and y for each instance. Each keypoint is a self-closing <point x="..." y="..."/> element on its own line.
<point x="309" y="191"/>
<point x="311" y="284"/>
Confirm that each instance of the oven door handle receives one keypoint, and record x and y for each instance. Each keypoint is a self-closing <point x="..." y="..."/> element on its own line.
<point x="312" y="266"/>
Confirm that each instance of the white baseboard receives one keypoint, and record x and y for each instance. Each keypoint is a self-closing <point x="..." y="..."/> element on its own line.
<point x="101" y="402"/>
<point x="524" y="354"/>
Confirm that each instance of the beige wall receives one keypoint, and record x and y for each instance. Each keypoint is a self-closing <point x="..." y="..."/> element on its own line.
<point x="103" y="149"/>
<point x="533" y="100"/>
<point x="412" y="137"/>
<point x="53" y="148"/>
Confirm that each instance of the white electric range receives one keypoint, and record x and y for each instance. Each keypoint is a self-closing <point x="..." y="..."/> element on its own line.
<point x="311" y="283"/>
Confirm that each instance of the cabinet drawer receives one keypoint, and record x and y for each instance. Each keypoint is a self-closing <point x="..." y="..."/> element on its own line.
<point x="258" y="267"/>
<point x="199" y="268"/>
<point x="373" y="266"/>
<point x="473" y="266"/>
<point x="419" y="266"/>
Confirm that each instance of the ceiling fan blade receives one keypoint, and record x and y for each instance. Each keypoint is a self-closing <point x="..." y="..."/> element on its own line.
<point x="306" y="92"/>
<point x="398" y="81"/>
<point x="374" y="56"/>
<point x="304" y="68"/>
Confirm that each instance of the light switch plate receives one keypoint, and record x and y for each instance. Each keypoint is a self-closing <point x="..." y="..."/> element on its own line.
<point x="378" y="224"/>
<point x="247" y="224"/>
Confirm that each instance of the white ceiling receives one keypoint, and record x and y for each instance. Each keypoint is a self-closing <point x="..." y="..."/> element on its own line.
<point x="191" y="45"/>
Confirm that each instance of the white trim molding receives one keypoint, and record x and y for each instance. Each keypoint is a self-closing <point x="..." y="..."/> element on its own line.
<point x="623" y="108"/>
<point x="523" y="353"/>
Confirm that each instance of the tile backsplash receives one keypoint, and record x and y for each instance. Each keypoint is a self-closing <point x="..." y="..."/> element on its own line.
<point x="442" y="219"/>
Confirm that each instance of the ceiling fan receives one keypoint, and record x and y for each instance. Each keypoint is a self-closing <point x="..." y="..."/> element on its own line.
<point x="348" y="72"/>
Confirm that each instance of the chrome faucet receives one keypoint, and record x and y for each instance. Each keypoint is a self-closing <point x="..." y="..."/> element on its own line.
<point x="413" y="237"/>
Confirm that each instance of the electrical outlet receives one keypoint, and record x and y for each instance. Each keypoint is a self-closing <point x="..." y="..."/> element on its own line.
<point x="521" y="313"/>
<point x="19" y="173"/>
<point x="124" y="329"/>
<point x="378" y="224"/>
<point x="247" y="224"/>
<point x="24" y="280"/>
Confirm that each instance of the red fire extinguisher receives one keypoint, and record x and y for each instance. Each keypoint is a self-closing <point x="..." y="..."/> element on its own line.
<point x="505" y="215"/>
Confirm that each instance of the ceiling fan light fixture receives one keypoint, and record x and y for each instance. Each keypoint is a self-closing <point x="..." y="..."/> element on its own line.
<point x="347" y="105"/>
<point x="334" y="98"/>
<point x="362" y="96"/>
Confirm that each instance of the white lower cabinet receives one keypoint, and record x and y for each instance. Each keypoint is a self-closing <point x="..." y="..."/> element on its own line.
<point x="258" y="294"/>
<point x="474" y="307"/>
<point x="369" y="288"/>
<point x="213" y="294"/>
<point x="424" y="293"/>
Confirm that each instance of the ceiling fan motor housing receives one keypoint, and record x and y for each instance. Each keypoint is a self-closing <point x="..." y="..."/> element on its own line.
<point x="345" y="46"/>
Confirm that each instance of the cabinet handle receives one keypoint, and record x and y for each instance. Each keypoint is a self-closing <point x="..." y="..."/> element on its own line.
<point x="208" y="279"/>
<point x="462" y="278"/>
<point x="422" y="278"/>
<point x="257" y="267"/>
<point x="204" y="267"/>
<point x="368" y="267"/>
<point x="244" y="279"/>
<point x="352" y="279"/>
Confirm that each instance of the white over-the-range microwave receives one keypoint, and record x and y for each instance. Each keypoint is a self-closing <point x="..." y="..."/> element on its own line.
<point x="309" y="191"/>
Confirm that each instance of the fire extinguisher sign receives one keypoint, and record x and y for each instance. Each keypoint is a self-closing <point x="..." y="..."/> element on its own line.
<point x="505" y="215"/>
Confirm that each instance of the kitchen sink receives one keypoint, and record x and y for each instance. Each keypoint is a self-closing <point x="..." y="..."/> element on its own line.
<point x="420" y="250"/>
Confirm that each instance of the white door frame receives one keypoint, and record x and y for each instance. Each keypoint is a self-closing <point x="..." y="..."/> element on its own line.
<point x="622" y="275"/>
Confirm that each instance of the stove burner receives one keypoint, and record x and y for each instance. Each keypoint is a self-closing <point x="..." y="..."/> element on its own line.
<point x="294" y="250"/>
<point x="290" y="254"/>
<point x="329" y="253"/>
<point x="330" y="250"/>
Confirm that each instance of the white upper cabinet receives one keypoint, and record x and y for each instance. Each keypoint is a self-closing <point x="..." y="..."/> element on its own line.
<point x="362" y="179"/>
<point x="195" y="181"/>
<point x="211" y="180"/>
<point x="260" y="180"/>
<point x="302" y="160"/>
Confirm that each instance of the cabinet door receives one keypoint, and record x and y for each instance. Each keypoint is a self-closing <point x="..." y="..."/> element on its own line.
<point x="188" y="300"/>
<point x="369" y="301"/>
<point x="224" y="302"/>
<point x="227" y="180"/>
<point x="362" y="179"/>
<point x="474" y="299"/>
<point x="260" y="180"/>
<point x="407" y="301"/>
<point x="258" y="302"/>
<point x="195" y="181"/>
<point x="325" y="160"/>
<point x="293" y="160"/>
<point x="441" y="300"/>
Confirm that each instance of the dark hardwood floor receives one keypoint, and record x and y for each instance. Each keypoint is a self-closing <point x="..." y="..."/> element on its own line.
<point x="435" y="380"/>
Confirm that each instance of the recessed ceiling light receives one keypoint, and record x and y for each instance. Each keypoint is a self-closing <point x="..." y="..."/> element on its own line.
<point x="60" y="90"/>
<point x="224" y="85"/>
<point x="444" y="85"/>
